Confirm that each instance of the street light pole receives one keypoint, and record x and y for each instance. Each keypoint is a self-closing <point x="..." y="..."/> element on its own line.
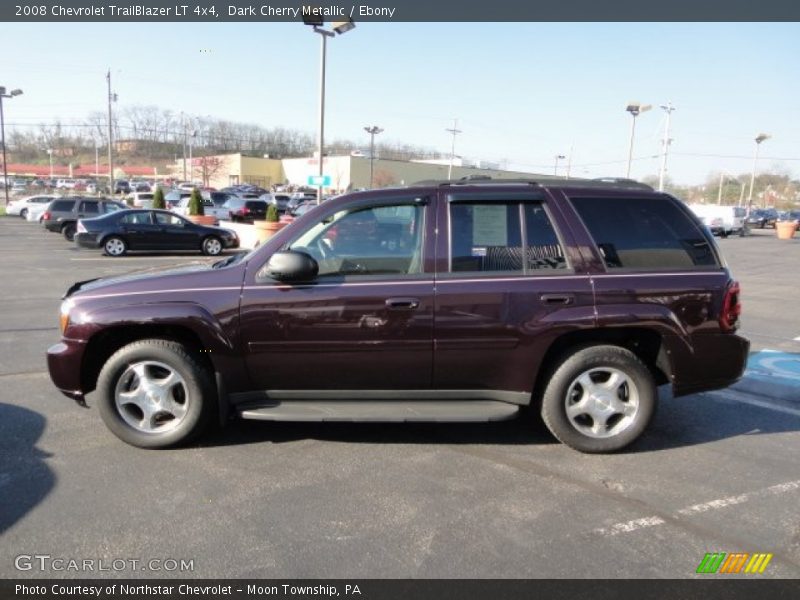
<point x="759" y="138"/>
<point x="635" y="108"/>
<point x="555" y="167"/>
<point x="3" y="94"/>
<point x="372" y="131"/>
<point x="339" y="27"/>
<point x="50" y="155"/>
<point x="111" y="98"/>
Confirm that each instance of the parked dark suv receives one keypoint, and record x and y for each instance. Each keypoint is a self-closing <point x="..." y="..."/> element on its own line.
<point x="62" y="214"/>
<point x="437" y="302"/>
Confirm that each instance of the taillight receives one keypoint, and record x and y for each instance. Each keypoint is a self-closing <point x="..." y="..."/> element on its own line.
<point x="81" y="228"/>
<point x="245" y="211"/>
<point x="46" y="216"/>
<point x="731" y="308"/>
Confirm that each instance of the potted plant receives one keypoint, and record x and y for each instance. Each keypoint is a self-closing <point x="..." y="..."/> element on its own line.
<point x="196" y="210"/>
<point x="270" y="226"/>
<point x="158" y="199"/>
<point x="785" y="229"/>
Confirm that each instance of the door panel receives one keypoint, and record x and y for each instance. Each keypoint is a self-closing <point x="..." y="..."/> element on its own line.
<point x="366" y="322"/>
<point x="507" y="285"/>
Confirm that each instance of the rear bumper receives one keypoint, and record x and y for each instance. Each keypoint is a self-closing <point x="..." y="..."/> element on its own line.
<point x="64" y="363"/>
<point x="718" y="361"/>
<point x="87" y="240"/>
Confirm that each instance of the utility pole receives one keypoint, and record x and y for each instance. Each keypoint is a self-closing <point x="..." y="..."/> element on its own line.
<point x="719" y="194"/>
<point x="183" y="126"/>
<point x="372" y="131"/>
<point x="668" y="108"/>
<point x="455" y="131"/>
<point x="111" y="98"/>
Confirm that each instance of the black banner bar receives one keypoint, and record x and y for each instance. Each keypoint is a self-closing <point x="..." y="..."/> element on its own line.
<point x="373" y="589"/>
<point x="401" y="10"/>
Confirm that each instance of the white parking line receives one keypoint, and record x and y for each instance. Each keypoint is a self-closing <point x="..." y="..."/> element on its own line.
<point x="655" y="520"/>
<point x="733" y="396"/>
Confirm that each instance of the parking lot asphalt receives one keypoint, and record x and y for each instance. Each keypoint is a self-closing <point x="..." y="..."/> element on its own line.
<point x="716" y="472"/>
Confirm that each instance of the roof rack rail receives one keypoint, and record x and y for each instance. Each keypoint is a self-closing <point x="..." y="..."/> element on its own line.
<point x="543" y="181"/>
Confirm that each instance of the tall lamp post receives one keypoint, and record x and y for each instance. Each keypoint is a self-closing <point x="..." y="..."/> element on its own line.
<point x="635" y="108"/>
<point x="558" y="157"/>
<point x="50" y="155"/>
<point x="761" y="137"/>
<point x="340" y="27"/>
<point x="3" y="94"/>
<point x="372" y="131"/>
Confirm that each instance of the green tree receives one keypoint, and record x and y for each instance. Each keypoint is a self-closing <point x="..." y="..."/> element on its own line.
<point x="196" y="203"/>
<point x="158" y="199"/>
<point x="272" y="214"/>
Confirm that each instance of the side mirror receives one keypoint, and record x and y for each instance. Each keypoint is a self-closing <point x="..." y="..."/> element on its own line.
<point x="290" y="265"/>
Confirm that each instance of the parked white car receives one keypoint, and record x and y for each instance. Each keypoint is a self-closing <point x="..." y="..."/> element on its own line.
<point x="720" y="220"/>
<point x="66" y="184"/>
<point x="35" y="211"/>
<point x="209" y="209"/>
<point x="23" y="206"/>
<point x="142" y="199"/>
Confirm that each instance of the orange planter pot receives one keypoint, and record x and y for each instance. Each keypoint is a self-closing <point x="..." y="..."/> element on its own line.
<point x="266" y="229"/>
<point x="785" y="230"/>
<point x="202" y="219"/>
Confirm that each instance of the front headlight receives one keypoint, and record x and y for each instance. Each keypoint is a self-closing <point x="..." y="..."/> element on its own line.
<point x="66" y="306"/>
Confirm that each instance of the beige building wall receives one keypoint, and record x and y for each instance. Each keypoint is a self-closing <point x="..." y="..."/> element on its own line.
<point x="223" y="170"/>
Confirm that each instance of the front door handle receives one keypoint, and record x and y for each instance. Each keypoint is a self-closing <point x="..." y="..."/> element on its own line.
<point x="402" y="303"/>
<point x="557" y="298"/>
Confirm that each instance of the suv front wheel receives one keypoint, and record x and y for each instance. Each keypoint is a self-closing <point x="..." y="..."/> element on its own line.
<point x="599" y="399"/>
<point x="155" y="394"/>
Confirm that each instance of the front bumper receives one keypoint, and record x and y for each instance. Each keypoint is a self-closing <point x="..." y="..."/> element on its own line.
<point x="64" y="363"/>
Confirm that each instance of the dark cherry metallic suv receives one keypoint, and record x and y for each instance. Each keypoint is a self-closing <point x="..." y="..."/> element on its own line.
<point x="452" y="302"/>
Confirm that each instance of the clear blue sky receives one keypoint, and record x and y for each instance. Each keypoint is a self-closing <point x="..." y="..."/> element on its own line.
<point x="523" y="92"/>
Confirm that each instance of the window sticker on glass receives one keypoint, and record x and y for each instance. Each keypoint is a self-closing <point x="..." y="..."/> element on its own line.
<point x="489" y="225"/>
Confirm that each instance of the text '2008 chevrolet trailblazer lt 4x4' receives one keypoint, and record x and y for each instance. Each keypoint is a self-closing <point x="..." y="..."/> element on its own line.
<point x="447" y="302"/>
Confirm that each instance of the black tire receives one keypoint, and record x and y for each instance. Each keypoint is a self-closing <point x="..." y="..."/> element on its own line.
<point x="68" y="231"/>
<point x="212" y="246"/>
<point x="199" y="394"/>
<point x="563" y="385"/>
<point x="115" y="246"/>
<point x="23" y="213"/>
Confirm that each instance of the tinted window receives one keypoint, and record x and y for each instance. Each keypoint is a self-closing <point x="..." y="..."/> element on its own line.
<point x="136" y="218"/>
<point x="62" y="205"/>
<point x="167" y="219"/>
<point x="489" y="237"/>
<point x="256" y="205"/>
<point x="89" y="208"/>
<point x="652" y="233"/>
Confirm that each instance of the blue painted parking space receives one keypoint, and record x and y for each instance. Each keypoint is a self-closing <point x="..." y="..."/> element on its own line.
<point x="775" y="367"/>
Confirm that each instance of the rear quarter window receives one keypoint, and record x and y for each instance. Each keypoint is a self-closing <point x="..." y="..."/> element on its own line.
<point x="645" y="233"/>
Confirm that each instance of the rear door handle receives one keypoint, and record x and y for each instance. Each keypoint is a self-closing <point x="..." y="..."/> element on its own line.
<point x="402" y="303"/>
<point x="557" y="298"/>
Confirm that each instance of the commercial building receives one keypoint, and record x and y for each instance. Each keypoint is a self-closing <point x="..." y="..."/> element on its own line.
<point x="346" y="172"/>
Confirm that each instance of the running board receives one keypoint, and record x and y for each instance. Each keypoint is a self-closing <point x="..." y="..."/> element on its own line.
<point x="384" y="411"/>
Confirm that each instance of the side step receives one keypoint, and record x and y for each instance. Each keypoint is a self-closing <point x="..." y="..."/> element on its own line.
<point x="384" y="411"/>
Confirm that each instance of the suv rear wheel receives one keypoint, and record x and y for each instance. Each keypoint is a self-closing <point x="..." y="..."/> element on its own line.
<point x="599" y="399"/>
<point x="155" y="394"/>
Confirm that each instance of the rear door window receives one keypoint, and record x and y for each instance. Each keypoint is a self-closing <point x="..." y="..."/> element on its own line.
<point x="645" y="233"/>
<point x="503" y="237"/>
